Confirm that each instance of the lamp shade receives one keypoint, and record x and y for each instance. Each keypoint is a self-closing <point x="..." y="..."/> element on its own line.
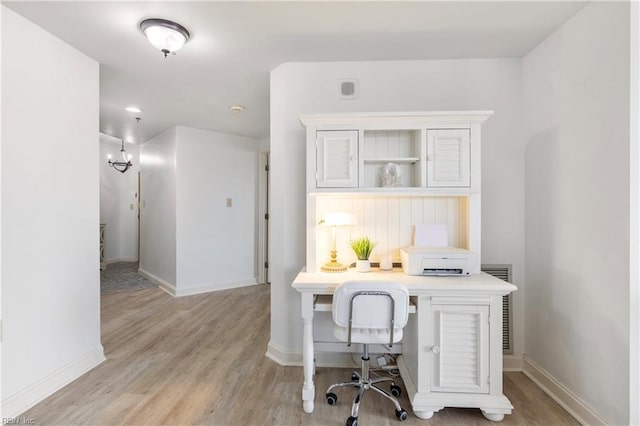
<point x="339" y="219"/>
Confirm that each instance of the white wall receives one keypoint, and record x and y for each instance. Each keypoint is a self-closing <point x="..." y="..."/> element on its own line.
<point x="50" y="216"/>
<point x="576" y="97"/>
<point x="158" y="212"/>
<point x="492" y="84"/>
<point x="190" y="241"/>
<point x="117" y="197"/>
<point x="216" y="244"/>
<point x="263" y="144"/>
<point x="634" y="214"/>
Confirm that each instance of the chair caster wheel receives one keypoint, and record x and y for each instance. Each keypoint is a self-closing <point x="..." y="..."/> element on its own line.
<point x="354" y="377"/>
<point x="332" y="398"/>
<point x="352" y="421"/>
<point x="395" y="390"/>
<point x="402" y="415"/>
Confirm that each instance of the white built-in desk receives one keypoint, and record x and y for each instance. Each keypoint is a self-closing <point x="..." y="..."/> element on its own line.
<point x="452" y="346"/>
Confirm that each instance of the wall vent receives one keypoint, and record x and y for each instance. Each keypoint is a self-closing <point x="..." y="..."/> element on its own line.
<point x="504" y="273"/>
<point x="349" y="89"/>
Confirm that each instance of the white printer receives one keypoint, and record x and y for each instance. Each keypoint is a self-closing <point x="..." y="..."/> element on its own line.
<point x="440" y="261"/>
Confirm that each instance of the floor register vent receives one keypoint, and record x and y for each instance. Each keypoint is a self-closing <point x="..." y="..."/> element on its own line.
<point x="504" y="273"/>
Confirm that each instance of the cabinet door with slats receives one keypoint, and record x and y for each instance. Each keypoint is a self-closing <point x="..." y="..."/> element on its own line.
<point x="460" y="350"/>
<point x="336" y="159"/>
<point x="449" y="159"/>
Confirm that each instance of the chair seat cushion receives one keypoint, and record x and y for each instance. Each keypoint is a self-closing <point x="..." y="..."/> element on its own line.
<point x="367" y="335"/>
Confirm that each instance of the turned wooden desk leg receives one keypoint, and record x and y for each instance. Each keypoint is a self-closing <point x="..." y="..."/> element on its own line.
<point x="308" y="387"/>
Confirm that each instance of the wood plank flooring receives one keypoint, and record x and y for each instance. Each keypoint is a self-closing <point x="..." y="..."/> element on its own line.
<point x="199" y="360"/>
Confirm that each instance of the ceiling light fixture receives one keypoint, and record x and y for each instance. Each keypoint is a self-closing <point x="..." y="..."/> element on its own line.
<point x="165" y="35"/>
<point x="123" y="164"/>
<point x="132" y="108"/>
<point x="237" y="108"/>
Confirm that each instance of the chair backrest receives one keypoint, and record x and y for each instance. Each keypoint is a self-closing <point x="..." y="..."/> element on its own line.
<point x="373" y="304"/>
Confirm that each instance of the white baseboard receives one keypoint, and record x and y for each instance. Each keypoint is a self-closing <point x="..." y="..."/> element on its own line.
<point x="561" y="394"/>
<point x="189" y="291"/>
<point x="164" y="285"/>
<point x="285" y="358"/>
<point x="512" y="363"/>
<point x="20" y="402"/>
<point x="121" y="259"/>
<point x="323" y="359"/>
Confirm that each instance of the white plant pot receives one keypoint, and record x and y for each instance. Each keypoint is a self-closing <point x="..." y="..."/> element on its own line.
<point x="363" y="266"/>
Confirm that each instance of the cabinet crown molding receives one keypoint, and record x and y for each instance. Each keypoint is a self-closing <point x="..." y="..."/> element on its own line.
<point x="384" y="119"/>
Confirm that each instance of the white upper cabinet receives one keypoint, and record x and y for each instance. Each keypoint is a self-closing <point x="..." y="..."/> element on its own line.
<point x="448" y="158"/>
<point x="424" y="153"/>
<point x="336" y="156"/>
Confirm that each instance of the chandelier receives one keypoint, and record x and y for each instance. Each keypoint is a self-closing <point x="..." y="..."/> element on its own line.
<point x="124" y="163"/>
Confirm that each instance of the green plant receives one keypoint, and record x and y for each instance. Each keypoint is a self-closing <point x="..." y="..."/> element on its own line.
<point x="362" y="247"/>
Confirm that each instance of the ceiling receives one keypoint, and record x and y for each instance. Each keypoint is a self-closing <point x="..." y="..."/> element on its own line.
<point x="234" y="45"/>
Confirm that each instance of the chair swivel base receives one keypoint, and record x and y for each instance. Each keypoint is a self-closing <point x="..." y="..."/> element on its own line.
<point x="363" y="384"/>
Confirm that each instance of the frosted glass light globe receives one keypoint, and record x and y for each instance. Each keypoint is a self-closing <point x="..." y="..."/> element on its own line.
<point x="166" y="36"/>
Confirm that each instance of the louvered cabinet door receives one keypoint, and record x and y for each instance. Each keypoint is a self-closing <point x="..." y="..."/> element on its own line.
<point x="336" y="159"/>
<point x="449" y="158"/>
<point x="460" y="350"/>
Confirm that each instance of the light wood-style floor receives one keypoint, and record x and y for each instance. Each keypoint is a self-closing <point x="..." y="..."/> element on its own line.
<point x="199" y="360"/>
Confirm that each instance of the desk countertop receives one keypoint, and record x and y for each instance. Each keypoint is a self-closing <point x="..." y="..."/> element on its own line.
<point x="326" y="282"/>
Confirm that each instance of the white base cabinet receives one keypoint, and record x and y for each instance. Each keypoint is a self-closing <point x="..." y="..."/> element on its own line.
<point x="459" y="343"/>
<point x="451" y="346"/>
<point x="450" y="363"/>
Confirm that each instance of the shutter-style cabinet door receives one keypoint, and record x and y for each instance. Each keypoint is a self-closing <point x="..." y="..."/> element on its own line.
<point x="460" y="350"/>
<point x="448" y="158"/>
<point x="337" y="159"/>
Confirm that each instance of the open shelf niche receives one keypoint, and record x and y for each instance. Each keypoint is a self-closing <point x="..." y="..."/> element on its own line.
<point x="404" y="148"/>
<point x="388" y="220"/>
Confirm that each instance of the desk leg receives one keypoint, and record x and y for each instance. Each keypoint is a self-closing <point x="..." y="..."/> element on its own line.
<point x="308" y="388"/>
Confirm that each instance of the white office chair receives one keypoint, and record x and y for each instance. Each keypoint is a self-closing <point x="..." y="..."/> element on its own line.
<point x="369" y="312"/>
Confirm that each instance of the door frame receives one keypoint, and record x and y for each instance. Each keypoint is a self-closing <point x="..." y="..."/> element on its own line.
<point x="262" y="240"/>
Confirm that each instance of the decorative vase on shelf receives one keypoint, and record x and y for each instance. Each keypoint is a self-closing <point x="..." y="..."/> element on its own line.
<point x="363" y="247"/>
<point x="363" y="265"/>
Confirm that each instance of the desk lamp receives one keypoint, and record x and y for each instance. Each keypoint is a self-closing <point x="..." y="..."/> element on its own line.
<point x="334" y="220"/>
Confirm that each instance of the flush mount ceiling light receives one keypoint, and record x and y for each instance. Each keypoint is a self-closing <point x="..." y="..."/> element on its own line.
<point x="165" y="35"/>
<point x="237" y="108"/>
<point x="132" y="108"/>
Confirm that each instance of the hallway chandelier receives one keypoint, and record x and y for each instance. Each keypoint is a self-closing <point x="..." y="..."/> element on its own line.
<point x="123" y="164"/>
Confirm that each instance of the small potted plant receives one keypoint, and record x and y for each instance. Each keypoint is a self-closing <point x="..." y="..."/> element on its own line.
<point x="363" y="247"/>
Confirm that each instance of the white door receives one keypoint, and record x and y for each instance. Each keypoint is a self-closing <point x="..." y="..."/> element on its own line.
<point x="336" y="159"/>
<point x="448" y="158"/>
<point x="460" y="350"/>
